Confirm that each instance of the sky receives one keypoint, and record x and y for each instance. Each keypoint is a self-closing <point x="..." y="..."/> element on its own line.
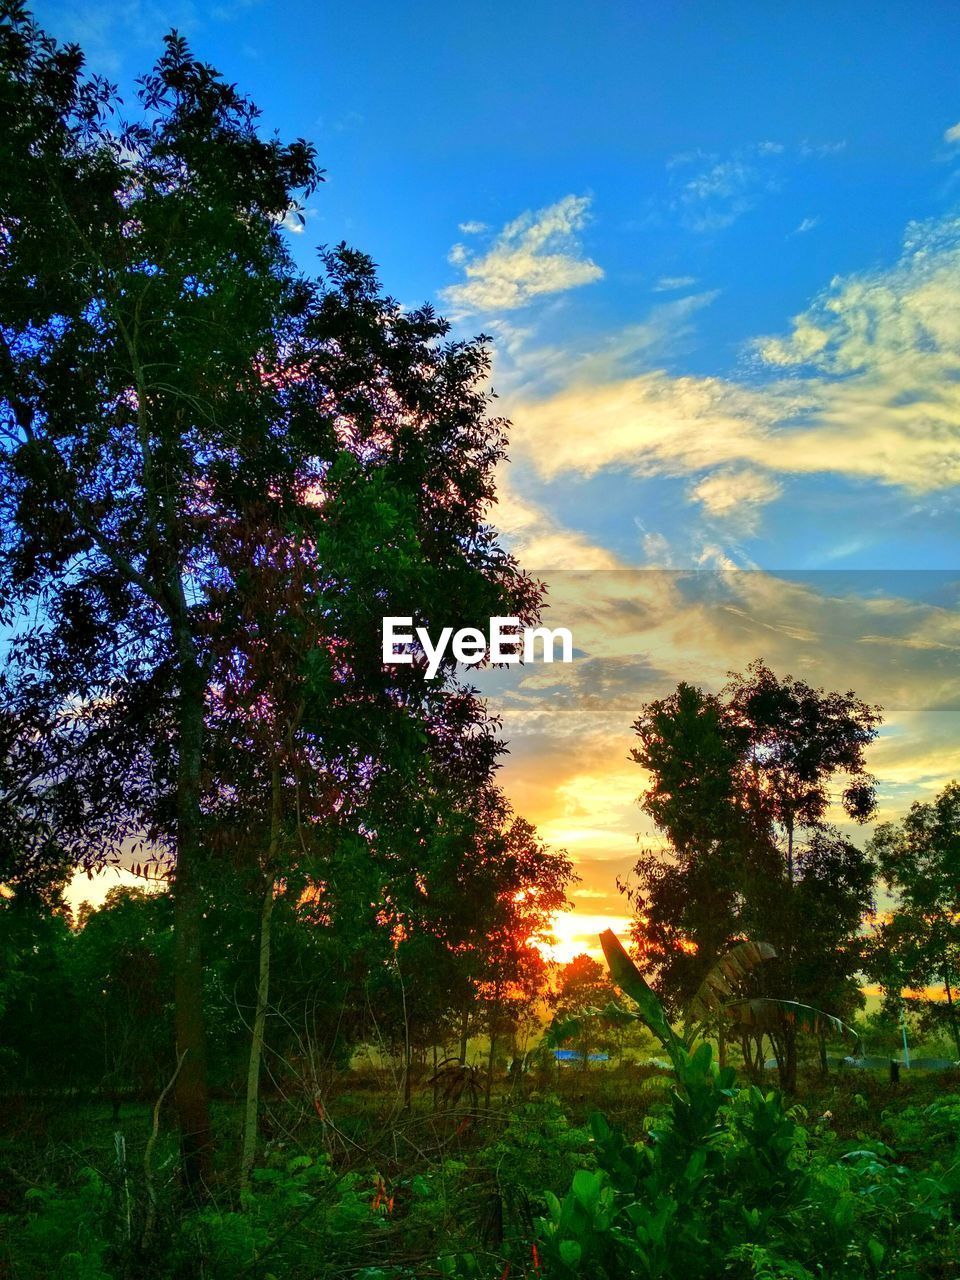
<point x="717" y="251"/>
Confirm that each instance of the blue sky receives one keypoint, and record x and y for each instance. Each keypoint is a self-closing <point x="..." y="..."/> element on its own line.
<point x="721" y="165"/>
<point x="718" y="249"/>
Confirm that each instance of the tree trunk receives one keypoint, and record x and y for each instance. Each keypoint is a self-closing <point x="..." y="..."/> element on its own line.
<point x="464" y="1036"/>
<point x="494" y="1015"/>
<point x="252" y="1107"/>
<point x="752" y="1048"/>
<point x="951" y="1008"/>
<point x="407" y="1064"/>
<point x="251" y="1111"/>
<point x="788" y="1071"/>
<point x="192" y="1098"/>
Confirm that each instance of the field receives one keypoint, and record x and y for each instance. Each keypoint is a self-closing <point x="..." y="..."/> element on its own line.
<point x="858" y="1179"/>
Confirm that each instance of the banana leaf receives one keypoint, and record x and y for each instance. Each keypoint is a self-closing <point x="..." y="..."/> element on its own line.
<point x="723" y="979"/>
<point x="764" y="1014"/>
<point x="630" y="980"/>
<point x="611" y="1015"/>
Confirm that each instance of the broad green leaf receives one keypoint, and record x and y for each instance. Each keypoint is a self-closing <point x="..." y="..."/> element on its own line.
<point x="629" y="978"/>
<point x="587" y="1186"/>
<point x="570" y="1253"/>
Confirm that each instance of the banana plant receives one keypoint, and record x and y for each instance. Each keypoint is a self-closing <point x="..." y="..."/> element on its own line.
<point x="711" y="1001"/>
<point x="770" y="1015"/>
<point x="723" y="982"/>
<point x="720" y="982"/>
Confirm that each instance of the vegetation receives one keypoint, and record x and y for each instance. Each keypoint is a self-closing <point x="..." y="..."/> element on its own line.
<point x="319" y="1041"/>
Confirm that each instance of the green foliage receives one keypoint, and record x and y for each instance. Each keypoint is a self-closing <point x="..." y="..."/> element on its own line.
<point x="740" y="784"/>
<point x="919" y="946"/>
<point x="334" y="1210"/>
<point x="629" y="978"/>
<point x="537" y="1151"/>
<point x="728" y="1181"/>
<point x="65" y="1234"/>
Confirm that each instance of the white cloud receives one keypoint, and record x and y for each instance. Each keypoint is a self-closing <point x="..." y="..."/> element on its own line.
<point x="953" y="133"/>
<point x="711" y="190"/>
<point x="538" y="253"/>
<point x="821" y="150"/>
<point x="866" y="383"/>
<point x="293" y="219"/>
<point x="736" y="496"/>
<point x="533" y="370"/>
<point x="541" y="542"/>
<point x="807" y="224"/>
<point x="473" y="228"/>
<point x="666" y="284"/>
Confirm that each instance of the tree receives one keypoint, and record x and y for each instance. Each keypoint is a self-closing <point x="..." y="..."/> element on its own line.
<point x="182" y="410"/>
<point x="919" y="945"/>
<point x="122" y="966"/>
<point x="41" y="1008"/>
<point x="688" y="907"/>
<point x="740" y="783"/>
<point x="512" y="891"/>
<point x="582" y="987"/>
<point x="799" y="739"/>
<point x="145" y="283"/>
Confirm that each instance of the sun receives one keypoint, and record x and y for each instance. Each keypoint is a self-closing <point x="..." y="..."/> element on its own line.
<point x="575" y="933"/>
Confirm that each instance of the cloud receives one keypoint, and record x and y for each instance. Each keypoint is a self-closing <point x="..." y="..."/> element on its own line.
<point x="109" y="33"/>
<point x="952" y="134"/>
<point x="666" y="284"/>
<point x="865" y="384"/>
<point x="529" y="369"/>
<point x="640" y="632"/>
<point x="821" y="150"/>
<point x="473" y="228"/>
<point x="538" y="253"/>
<point x="293" y="219"/>
<point x="736" y="496"/>
<point x="806" y="225"/>
<point x="711" y="191"/>
<point x="540" y="541"/>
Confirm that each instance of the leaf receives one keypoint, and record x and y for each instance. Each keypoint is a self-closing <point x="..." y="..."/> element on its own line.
<point x="724" y="977"/>
<point x="558" y="1032"/>
<point x="629" y="978"/>
<point x="554" y="1207"/>
<point x="586" y="1187"/>
<point x="570" y="1253"/>
<point x="612" y="1014"/>
<point x="765" y="1014"/>
<point x="616" y="1015"/>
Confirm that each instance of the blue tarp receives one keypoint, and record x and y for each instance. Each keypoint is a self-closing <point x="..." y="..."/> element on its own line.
<point x="574" y="1055"/>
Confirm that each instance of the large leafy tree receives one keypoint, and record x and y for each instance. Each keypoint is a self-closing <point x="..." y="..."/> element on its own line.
<point x="741" y="783"/>
<point x="688" y="904"/>
<point x="143" y="282"/>
<point x="203" y="452"/>
<point x="918" y="946"/>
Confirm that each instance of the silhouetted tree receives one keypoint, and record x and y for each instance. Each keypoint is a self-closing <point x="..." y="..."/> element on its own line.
<point x="919" y="945"/>
<point x="740" y="783"/>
